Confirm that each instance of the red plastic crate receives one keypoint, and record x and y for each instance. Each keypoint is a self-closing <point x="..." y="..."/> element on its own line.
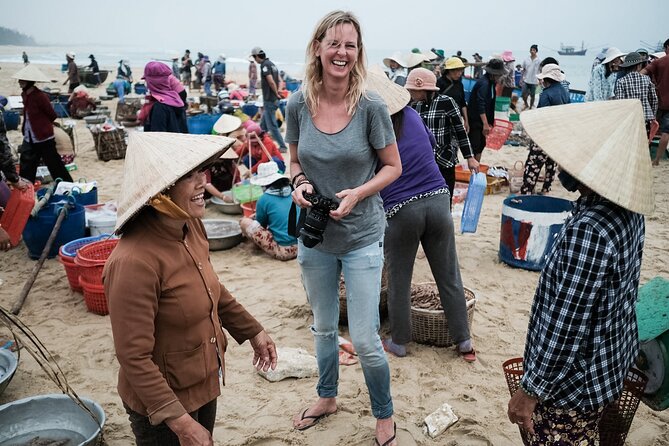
<point x="498" y="134"/>
<point x="17" y="212"/>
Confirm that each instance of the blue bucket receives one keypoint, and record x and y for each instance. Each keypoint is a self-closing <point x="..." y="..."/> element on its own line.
<point x="61" y="109"/>
<point x="250" y="110"/>
<point x="84" y="199"/>
<point x="12" y="119"/>
<point x="293" y="85"/>
<point x="140" y="88"/>
<point x="530" y="224"/>
<point x="201" y="124"/>
<point x="38" y="229"/>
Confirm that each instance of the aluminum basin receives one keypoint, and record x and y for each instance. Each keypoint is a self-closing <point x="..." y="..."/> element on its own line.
<point x="222" y="234"/>
<point x="233" y="208"/>
<point x="8" y="364"/>
<point x="54" y="418"/>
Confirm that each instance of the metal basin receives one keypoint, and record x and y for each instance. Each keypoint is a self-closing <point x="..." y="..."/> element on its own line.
<point x="95" y="119"/>
<point x="8" y="364"/>
<point x="54" y="419"/>
<point x="233" y="208"/>
<point x="222" y="234"/>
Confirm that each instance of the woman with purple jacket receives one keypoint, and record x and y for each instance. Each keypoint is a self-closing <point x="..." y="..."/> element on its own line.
<point x="417" y="207"/>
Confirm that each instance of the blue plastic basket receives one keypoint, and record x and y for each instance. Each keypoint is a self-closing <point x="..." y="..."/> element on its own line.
<point x="473" y="202"/>
<point x="140" y="88"/>
<point x="70" y="249"/>
<point x="61" y="109"/>
<point x="293" y="85"/>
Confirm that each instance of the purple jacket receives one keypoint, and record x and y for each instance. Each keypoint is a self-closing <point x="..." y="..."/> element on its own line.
<point x="420" y="173"/>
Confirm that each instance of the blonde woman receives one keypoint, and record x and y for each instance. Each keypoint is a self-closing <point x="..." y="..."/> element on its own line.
<point x="342" y="146"/>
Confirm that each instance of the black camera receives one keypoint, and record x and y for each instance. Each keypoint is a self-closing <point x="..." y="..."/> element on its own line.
<point x="316" y="219"/>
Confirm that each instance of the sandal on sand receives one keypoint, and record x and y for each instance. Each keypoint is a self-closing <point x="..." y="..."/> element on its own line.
<point x="390" y="440"/>
<point x="469" y="356"/>
<point x="315" y="419"/>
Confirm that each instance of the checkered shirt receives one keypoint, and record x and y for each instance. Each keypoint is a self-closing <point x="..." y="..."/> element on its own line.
<point x="582" y="336"/>
<point x="635" y="85"/>
<point x="443" y="118"/>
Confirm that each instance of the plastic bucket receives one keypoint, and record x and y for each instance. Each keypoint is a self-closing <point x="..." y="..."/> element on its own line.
<point x="84" y="199"/>
<point x="12" y="119"/>
<point x="101" y="223"/>
<point x="250" y="110"/>
<point x="38" y="229"/>
<point x="530" y="224"/>
<point x="200" y="124"/>
<point x="502" y="105"/>
<point x="249" y="208"/>
<point x="61" y="109"/>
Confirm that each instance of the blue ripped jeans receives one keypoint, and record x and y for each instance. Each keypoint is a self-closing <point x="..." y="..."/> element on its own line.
<point x="362" y="274"/>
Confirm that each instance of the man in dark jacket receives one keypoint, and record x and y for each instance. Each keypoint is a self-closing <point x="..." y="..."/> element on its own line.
<point x="481" y="106"/>
<point x="38" y="138"/>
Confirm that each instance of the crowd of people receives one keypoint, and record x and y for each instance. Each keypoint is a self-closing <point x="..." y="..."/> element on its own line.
<point x="372" y="159"/>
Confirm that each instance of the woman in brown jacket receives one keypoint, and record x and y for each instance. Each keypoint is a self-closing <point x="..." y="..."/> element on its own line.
<point x="166" y="304"/>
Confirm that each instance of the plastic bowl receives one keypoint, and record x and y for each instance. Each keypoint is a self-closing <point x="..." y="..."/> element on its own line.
<point x="54" y="418"/>
<point x="222" y="234"/>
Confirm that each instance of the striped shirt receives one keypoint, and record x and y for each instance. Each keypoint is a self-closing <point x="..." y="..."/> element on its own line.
<point x="635" y="85"/>
<point x="582" y="336"/>
<point x="443" y="118"/>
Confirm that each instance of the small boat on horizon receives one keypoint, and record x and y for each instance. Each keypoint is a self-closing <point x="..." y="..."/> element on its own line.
<point x="568" y="50"/>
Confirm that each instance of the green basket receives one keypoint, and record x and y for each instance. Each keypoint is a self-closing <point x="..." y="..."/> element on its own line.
<point x="244" y="193"/>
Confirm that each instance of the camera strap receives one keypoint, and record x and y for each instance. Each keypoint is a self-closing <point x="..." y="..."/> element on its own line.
<point x="293" y="225"/>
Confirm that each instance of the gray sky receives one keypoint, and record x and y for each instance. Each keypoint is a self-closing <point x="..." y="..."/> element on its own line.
<point x="287" y="24"/>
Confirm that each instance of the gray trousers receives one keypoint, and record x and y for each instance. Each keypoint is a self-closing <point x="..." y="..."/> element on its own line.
<point x="429" y="222"/>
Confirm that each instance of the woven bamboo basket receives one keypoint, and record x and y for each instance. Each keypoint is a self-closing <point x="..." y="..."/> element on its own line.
<point x="430" y="326"/>
<point x="109" y="145"/>
<point x="618" y="415"/>
<point x="383" y="298"/>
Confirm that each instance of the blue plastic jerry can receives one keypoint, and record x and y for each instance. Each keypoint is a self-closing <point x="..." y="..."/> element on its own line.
<point x="473" y="202"/>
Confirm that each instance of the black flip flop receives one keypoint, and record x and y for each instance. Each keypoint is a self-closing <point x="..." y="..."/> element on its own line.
<point x="390" y="440"/>
<point x="315" y="420"/>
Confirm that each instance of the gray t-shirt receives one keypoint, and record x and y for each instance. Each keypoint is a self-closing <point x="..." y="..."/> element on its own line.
<point x="343" y="160"/>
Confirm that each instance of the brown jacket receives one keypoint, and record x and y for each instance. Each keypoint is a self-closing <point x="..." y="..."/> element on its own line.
<point x="167" y="308"/>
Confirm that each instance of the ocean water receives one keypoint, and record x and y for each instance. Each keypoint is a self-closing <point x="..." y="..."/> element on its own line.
<point x="577" y="68"/>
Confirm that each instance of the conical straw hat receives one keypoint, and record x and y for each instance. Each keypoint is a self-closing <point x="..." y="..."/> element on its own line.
<point x="31" y="73"/>
<point x="156" y="160"/>
<point x="395" y="96"/>
<point x="603" y="144"/>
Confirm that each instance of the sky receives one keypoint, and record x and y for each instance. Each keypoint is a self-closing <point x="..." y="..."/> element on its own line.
<point x="288" y="24"/>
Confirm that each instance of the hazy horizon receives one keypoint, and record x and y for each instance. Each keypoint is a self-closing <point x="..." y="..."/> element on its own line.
<point x="485" y="24"/>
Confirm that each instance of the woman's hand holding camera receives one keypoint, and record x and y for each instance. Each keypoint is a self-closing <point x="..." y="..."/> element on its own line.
<point x="349" y="199"/>
<point x="300" y="185"/>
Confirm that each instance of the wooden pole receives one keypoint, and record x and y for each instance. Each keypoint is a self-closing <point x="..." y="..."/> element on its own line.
<point x="38" y="266"/>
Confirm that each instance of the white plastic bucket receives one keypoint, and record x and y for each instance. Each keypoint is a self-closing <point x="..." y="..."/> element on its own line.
<point x="101" y="223"/>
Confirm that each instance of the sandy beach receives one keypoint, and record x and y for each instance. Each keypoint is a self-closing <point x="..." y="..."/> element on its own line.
<point x="253" y="411"/>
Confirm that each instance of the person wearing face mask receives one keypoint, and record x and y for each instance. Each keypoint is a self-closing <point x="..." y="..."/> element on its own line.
<point x="39" y="141"/>
<point x="223" y="173"/>
<point x="167" y="306"/>
<point x="603" y="77"/>
<point x="268" y="228"/>
<point x="553" y="93"/>
<point x="164" y="109"/>
<point x="342" y="146"/>
<point x="582" y="333"/>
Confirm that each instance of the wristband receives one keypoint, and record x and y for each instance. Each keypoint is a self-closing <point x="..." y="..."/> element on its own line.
<point x="528" y="392"/>
<point x="301" y="183"/>
<point x="301" y="174"/>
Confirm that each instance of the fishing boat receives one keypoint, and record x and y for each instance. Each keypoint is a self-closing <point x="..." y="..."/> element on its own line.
<point x="567" y="50"/>
<point x="87" y="78"/>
